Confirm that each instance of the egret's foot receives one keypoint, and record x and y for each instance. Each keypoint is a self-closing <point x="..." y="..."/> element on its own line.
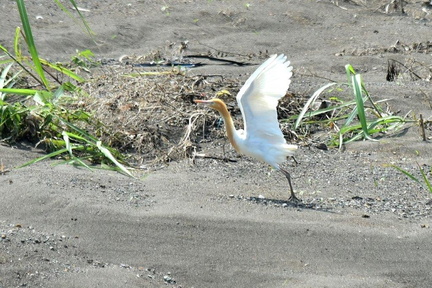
<point x="294" y="199"/>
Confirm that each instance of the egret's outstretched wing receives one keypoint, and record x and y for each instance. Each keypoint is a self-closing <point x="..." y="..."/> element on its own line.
<point x="259" y="97"/>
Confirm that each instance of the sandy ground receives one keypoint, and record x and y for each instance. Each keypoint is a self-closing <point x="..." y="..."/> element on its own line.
<point x="226" y="224"/>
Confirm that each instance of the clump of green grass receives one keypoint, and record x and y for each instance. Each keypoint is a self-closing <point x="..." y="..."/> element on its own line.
<point x="40" y="114"/>
<point x="357" y="119"/>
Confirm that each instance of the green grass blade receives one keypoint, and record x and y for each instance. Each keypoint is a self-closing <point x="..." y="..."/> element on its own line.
<point x="19" y="91"/>
<point x="309" y="103"/>
<point x="356" y="82"/>
<point x="50" y="155"/>
<point x="350" y="70"/>
<point x="17" y="46"/>
<point x="377" y="109"/>
<point x="18" y="61"/>
<point x="42" y="97"/>
<point x="311" y="114"/>
<point x="12" y="79"/>
<point x="351" y="128"/>
<point x="67" y="143"/>
<point x="67" y="12"/>
<point x="425" y="179"/>
<point x="75" y="161"/>
<point x="108" y="155"/>
<point x="353" y="113"/>
<point x="105" y="151"/>
<point x="6" y="61"/>
<point x="80" y="138"/>
<point x="406" y="173"/>
<point x="109" y="167"/>
<point x="388" y="123"/>
<point x="31" y="44"/>
<point x="3" y="75"/>
<point x="58" y="94"/>
<point x="4" y="50"/>
<point x="63" y="70"/>
<point x="350" y="73"/>
<point x="86" y="136"/>
<point x="7" y="81"/>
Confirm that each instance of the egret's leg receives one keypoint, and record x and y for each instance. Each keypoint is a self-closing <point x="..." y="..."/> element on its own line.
<point x="288" y="176"/>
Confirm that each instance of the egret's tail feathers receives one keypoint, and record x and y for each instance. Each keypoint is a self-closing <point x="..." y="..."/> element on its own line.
<point x="277" y="155"/>
<point x="290" y="149"/>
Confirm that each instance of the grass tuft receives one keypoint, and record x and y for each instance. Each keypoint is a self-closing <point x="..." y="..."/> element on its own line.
<point x="41" y="115"/>
<point x="352" y="120"/>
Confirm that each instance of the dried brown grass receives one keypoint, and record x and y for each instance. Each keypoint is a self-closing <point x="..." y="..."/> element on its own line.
<point x="146" y="116"/>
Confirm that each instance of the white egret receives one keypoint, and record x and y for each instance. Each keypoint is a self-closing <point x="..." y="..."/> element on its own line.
<point x="262" y="137"/>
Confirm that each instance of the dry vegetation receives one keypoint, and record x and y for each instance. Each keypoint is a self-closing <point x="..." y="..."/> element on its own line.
<point x="153" y="117"/>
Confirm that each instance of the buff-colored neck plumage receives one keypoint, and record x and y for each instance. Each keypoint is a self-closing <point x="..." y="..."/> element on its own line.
<point x="220" y="106"/>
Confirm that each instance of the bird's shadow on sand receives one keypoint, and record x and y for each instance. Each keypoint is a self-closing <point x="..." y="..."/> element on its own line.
<point x="299" y="205"/>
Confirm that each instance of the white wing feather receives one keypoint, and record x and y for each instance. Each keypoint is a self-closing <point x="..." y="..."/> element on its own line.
<point x="258" y="98"/>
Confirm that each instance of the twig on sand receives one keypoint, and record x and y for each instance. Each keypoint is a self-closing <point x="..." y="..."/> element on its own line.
<point x="422" y="128"/>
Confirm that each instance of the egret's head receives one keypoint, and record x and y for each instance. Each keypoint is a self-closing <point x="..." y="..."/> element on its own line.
<point x="215" y="103"/>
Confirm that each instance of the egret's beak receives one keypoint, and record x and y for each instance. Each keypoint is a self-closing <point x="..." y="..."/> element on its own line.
<point x="214" y="103"/>
<point x="203" y="101"/>
<point x="208" y="103"/>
